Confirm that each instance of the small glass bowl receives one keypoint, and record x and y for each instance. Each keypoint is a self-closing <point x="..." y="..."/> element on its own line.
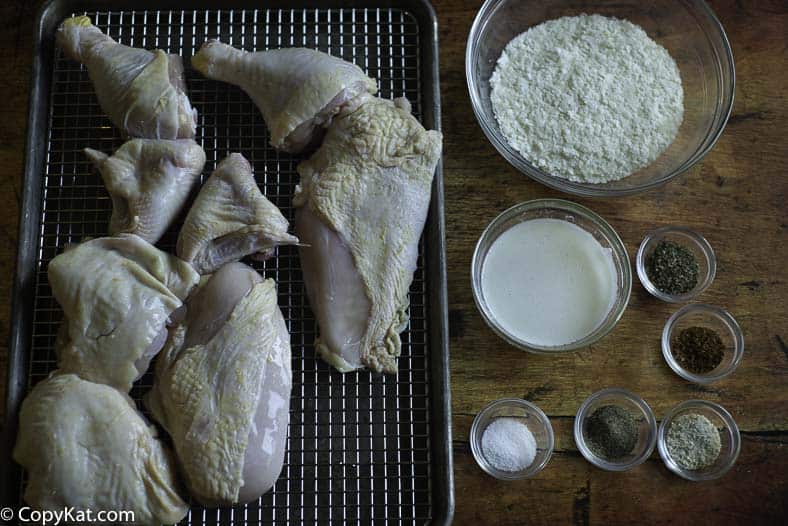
<point x="716" y="319"/>
<point x="579" y="216"/>
<point x="729" y="437"/>
<point x="528" y="414"/>
<point x="696" y="243"/>
<point x="647" y="427"/>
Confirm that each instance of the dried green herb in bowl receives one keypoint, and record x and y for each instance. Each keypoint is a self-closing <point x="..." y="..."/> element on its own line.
<point x="672" y="268"/>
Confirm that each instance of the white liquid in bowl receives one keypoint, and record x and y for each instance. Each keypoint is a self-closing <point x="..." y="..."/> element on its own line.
<point x="548" y="282"/>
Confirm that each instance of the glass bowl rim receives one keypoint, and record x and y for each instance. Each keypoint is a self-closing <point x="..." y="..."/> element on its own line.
<point x="581" y="415"/>
<point x="475" y="435"/>
<point x="724" y="109"/>
<point x="712" y="310"/>
<point x="617" y="245"/>
<point x="730" y="425"/>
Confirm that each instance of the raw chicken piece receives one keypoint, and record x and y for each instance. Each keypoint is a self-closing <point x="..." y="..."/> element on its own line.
<point x="85" y="445"/>
<point x="222" y="388"/>
<point x="142" y="91"/>
<point x="117" y="295"/>
<point x="231" y="219"/>
<point x="148" y="181"/>
<point x="296" y="89"/>
<point x="362" y="202"/>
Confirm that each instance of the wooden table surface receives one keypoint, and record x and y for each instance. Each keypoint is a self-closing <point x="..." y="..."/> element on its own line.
<point x="737" y="197"/>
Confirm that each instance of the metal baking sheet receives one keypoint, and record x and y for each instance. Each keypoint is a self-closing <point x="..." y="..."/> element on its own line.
<point x="362" y="448"/>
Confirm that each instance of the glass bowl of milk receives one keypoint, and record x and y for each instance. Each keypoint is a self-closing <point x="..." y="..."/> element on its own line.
<point x="550" y="276"/>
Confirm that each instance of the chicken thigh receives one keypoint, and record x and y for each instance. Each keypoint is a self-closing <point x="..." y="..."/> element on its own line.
<point x="84" y="445"/>
<point x="141" y="91"/>
<point x="361" y="207"/>
<point x="148" y="181"/>
<point x="231" y="219"/>
<point x="222" y="388"/>
<point x="296" y="89"/>
<point x="117" y="294"/>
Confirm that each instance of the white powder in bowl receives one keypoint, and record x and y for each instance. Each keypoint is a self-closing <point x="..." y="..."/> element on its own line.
<point x="508" y="444"/>
<point x="587" y="98"/>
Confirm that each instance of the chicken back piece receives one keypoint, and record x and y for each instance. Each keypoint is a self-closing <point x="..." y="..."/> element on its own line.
<point x="117" y="295"/>
<point x="148" y="180"/>
<point x="222" y="388"/>
<point x="296" y="89"/>
<point x="141" y="91"/>
<point x="84" y="445"/>
<point x="361" y="207"/>
<point x="231" y="219"/>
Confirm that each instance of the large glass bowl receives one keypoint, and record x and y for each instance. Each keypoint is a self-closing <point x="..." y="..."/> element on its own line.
<point x="579" y="216"/>
<point x="688" y="29"/>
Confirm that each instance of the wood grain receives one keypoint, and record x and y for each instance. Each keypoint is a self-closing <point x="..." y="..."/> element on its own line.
<point x="737" y="197"/>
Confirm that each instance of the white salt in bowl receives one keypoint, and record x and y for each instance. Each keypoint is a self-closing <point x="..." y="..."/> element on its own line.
<point x="730" y="440"/>
<point x="688" y="29"/>
<point x="527" y="413"/>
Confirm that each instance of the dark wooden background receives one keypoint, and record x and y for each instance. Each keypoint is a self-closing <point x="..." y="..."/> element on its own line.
<point x="737" y="197"/>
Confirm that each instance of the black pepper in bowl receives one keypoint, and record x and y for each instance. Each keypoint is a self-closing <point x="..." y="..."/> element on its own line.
<point x="672" y="268"/>
<point x="699" y="350"/>
<point x="611" y="432"/>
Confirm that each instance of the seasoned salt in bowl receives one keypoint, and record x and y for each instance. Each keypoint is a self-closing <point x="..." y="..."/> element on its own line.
<point x="730" y="440"/>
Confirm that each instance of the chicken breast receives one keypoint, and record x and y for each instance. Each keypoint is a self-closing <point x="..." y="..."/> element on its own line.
<point x="231" y="219"/>
<point x="117" y="294"/>
<point x="361" y="205"/>
<point x="148" y="180"/>
<point x="297" y="90"/>
<point x="84" y="445"/>
<point x="222" y="388"/>
<point x="141" y="91"/>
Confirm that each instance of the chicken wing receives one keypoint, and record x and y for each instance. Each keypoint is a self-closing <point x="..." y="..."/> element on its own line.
<point x="148" y="181"/>
<point x="231" y="219"/>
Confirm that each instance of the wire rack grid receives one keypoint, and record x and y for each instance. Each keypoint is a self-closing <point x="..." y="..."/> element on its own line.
<point x="358" y="444"/>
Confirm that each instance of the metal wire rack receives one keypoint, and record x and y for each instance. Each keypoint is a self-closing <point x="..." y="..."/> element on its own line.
<point x="358" y="448"/>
